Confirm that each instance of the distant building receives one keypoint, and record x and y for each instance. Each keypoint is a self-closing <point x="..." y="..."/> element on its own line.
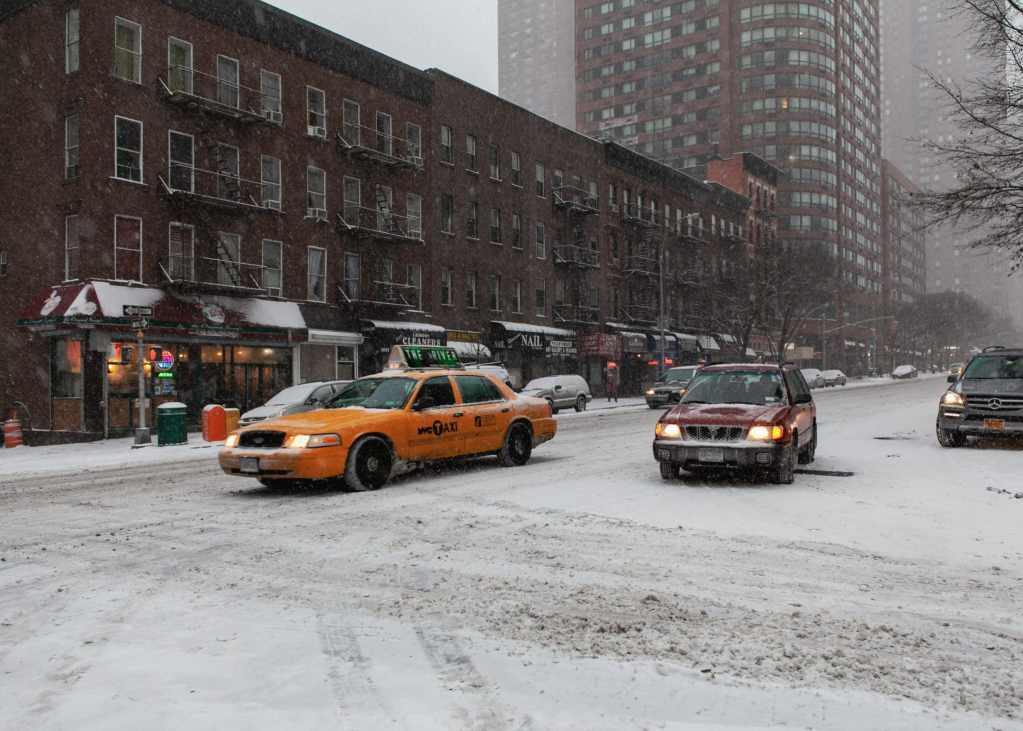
<point x="536" y="46"/>
<point x="903" y="240"/>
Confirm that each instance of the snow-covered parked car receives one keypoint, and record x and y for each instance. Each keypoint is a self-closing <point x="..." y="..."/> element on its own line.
<point x="295" y="400"/>
<point x="905" y="371"/>
<point x="835" y="378"/>
<point x="813" y="377"/>
<point x="561" y="392"/>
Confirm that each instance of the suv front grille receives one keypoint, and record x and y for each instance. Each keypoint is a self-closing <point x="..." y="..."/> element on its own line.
<point x="994" y="404"/>
<point x="261" y="439"/>
<point x="710" y="433"/>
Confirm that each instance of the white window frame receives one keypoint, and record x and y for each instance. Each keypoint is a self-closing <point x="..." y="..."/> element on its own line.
<point x="117" y="248"/>
<point x="136" y="53"/>
<point x="414" y="279"/>
<point x="68" y="248"/>
<point x="309" y="274"/>
<point x="311" y="92"/>
<point x="472" y="284"/>
<point x="447" y="276"/>
<point x="235" y="174"/>
<point x="414" y="141"/>
<point x="414" y="213"/>
<point x="223" y="275"/>
<point x="347" y="280"/>
<point x="494" y="293"/>
<point x="171" y="161"/>
<point x="72" y="151"/>
<point x="234" y="87"/>
<point x="351" y="129"/>
<point x="517" y="298"/>
<point x="352" y="206"/>
<point x="188" y="276"/>
<point x="538" y="242"/>
<point x="72" y="43"/>
<point x="142" y="147"/>
<point x="184" y="74"/>
<point x="268" y="201"/>
<point x="546" y="299"/>
<point x="273" y="112"/>
<point x="309" y="192"/>
<point x="264" y="268"/>
<point x="386" y="135"/>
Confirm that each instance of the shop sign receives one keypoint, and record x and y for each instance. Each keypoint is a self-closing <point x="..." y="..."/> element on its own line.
<point x="214" y="314"/>
<point x="561" y="348"/>
<point x="634" y="343"/>
<point x="421" y="338"/>
<point x="526" y="341"/>
<point x="203" y="332"/>
<point x="464" y="336"/>
<point x="603" y="346"/>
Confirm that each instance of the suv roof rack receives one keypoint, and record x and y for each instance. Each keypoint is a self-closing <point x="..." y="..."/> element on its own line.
<point x="993" y="348"/>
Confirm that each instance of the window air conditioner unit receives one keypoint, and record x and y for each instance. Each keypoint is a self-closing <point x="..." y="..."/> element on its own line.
<point x="320" y="132"/>
<point x="274" y="116"/>
<point x="272" y="205"/>
<point x="318" y="214"/>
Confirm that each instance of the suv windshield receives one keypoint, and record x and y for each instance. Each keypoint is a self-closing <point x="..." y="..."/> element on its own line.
<point x="375" y="393"/>
<point x="760" y="388"/>
<point x="679" y="375"/>
<point x="989" y="367"/>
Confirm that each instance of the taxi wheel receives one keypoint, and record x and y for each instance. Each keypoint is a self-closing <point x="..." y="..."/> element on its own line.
<point x="809" y="454"/>
<point x="369" y="465"/>
<point x="580" y="403"/>
<point x="518" y="446"/>
<point x="784" y="472"/>
<point x="669" y="471"/>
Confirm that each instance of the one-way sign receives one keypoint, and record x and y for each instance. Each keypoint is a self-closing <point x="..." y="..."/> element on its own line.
<point x="137" y="311"/>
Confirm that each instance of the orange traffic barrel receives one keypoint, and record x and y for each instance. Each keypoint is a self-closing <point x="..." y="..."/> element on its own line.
<point x="232" y="417"/>
<point x="214" y="423"/>
<point x="12" y="434"/>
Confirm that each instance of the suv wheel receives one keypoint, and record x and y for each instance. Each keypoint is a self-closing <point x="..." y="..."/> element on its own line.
<point x="810" y="453"/>
<point x="669" y="471"/>
<point x="784" y="473"/>
<point x="580" y="403"/>
<point x="554" y="409"/>
<point x="369" y="465"/>
<point x="949" y="439"/>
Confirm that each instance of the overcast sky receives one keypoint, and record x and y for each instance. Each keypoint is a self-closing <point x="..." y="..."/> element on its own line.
<point x="458" y="36"/>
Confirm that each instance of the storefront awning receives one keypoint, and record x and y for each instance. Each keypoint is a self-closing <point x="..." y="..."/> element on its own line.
<point x="688" y="343"/>
<point x="723" y="338"/>
<point x="334" y="337"/>
<point x="522" y="327"/>
<point x="708" y="343"/>
<point x="470" y="351"/>
<point x="411" y="326"/>
<point x="385" y="333"/>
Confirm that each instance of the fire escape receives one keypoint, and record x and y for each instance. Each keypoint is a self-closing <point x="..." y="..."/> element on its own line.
<point x="573" y="256"/>
<point x="641" y="267"/>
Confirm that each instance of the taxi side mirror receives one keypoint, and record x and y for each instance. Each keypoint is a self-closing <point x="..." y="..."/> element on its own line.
<point x="803" y="398"/>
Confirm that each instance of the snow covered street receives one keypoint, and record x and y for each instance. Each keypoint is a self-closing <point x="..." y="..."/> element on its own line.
<point x="578" y="592"/>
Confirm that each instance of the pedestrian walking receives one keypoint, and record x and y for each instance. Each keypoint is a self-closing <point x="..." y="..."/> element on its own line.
<point x="611" y="381"/>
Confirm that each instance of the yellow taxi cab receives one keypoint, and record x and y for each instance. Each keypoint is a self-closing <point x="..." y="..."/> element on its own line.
<point x="424" y="408"/>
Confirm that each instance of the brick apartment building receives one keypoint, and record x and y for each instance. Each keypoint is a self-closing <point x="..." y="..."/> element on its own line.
<point x="291" y="204"/>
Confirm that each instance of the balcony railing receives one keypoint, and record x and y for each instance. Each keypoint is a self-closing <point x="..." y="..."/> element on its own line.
<point x="198" y="90"/>
<point x="640" y="216"/>
<point x="381" y="293"/>
<point x="380" y="224"/>
<point x="645" y="264"/>
<point x="386" y="149"/>
<point x="576" y="200"/>
<point x="639" y="314"/>
<point x="209" y="273"/>
<point x="219" y="189"/>
<point x="578" y="256"/>
<point x="576" y="314"/>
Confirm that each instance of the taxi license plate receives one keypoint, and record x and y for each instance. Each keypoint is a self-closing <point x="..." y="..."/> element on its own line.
<point x="711" y="455"/>
<point x="994" y="424"/>
<point x="249" y="465"/>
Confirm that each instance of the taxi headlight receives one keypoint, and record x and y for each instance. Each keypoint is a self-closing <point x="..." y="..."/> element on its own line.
<point x="650" y="392"/>
<point x="668" y="431"/>
<point x="951" y="398"/>
<point x="232" y="441"/>
<point x="314" y="441"/>
<point x="761" y="433"/>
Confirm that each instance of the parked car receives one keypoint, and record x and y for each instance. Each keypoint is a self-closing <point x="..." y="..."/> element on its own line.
<point x="494" y="369"/>
<point x="740" y="417"/>
<point x="986" y="400"/>
<point x="905" y="371"/>
<point x="561" y="392"/>
<point x="294" y="400"/>
<point x="814" y="378"/>
<point x="670" y="388"/>
<point x="834" y="378"/>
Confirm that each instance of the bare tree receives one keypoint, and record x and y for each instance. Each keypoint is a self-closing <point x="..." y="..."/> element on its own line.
<point x="987" y="155"/>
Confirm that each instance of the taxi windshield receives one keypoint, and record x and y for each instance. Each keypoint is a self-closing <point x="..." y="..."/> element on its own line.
<point x="375" y="393"/>
<point x="991" y="367"/>
<point x="760" y="388"/>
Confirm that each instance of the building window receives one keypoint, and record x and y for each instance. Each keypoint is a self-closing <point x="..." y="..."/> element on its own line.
<point x="351" y="122"/>
<point x="316" y="193"/>
<point x="316" y="112"/>
<point x="385" y="207"/>
<point x="447" y="213"/>
<point x="228" y="82"/>
<point x="414" y="211"/>
<point x="181" y="161"/>
<point x="541" y="241"/>
<point x="495" y="292"/>
<point x="472" y="221"/>
<point x="446" y="294"/>
<point x="471" y="160"/>
<point x="3" y="263"/>
<point x="414" y="140"/>
<point x="495" y="162"/>
<point x="385" y="137"/>
<point x="128" y="248"/>
<point x="516" y="169"/>
<point x="228" y="172"/>
<point x="495" y="226"/>
<point x="72" y="257"/>
<point x="541" y="298"/>
<point x="352" y="276"/>
<point x="179" y="65"/>
<point x="414" y="279"/>
<point x="471" y="280"/>
<point x="229" y="259"/>
<point x="270" y="181"/>
<point x="72" y="40"/>
<point x="516" y="231"/>
<point x="447" y="145"/>
<point x="541" y="180"/>
<point x="66" y="376"/>
<point x="181" y="252"/>
<point x="271" y="94"/>
<point x="316" y="263"/>
<point x="352" y="200"/>
<point x="516" y="298"/>
<point x="127" y="50"/>
<point x="128" y="144"/>
<point x="71" y="128"/>
<point x="346" y="370"/>
<point x="272" y="269"/>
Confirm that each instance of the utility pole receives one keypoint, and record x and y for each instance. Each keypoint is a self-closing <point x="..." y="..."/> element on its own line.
<point x="142" y="435"/>
<point x="661" y="314"/>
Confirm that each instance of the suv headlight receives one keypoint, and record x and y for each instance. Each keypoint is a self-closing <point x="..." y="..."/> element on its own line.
<point x="315" y="441"/>
<point x="951" y="398"/>
<point x="668" y="431"/>
<point x="761" y="433"/>
<point x="650" y="392"/>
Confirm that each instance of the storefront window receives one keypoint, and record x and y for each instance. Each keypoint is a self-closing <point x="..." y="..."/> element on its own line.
<point x="66" y="380"/>
<point x="345" y="363"/>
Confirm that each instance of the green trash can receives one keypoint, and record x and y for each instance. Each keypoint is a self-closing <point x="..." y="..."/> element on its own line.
<point x="170" y="424"/>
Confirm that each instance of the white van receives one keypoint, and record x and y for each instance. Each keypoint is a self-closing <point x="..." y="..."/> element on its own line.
<point x="561" y="391"/>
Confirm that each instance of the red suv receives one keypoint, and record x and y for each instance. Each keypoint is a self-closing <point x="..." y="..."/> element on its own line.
<point x="740" y="416"/>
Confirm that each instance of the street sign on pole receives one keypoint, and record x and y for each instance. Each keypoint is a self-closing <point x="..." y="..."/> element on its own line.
<point x="140" y="311"/>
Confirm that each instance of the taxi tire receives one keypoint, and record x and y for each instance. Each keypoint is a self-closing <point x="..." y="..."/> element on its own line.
<point x="580" y="403"/>
<point x="518" y="446"/>
<point x="670" y="470"/>
<point x="784" y="473"/>
<point x="369" y="465"/>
